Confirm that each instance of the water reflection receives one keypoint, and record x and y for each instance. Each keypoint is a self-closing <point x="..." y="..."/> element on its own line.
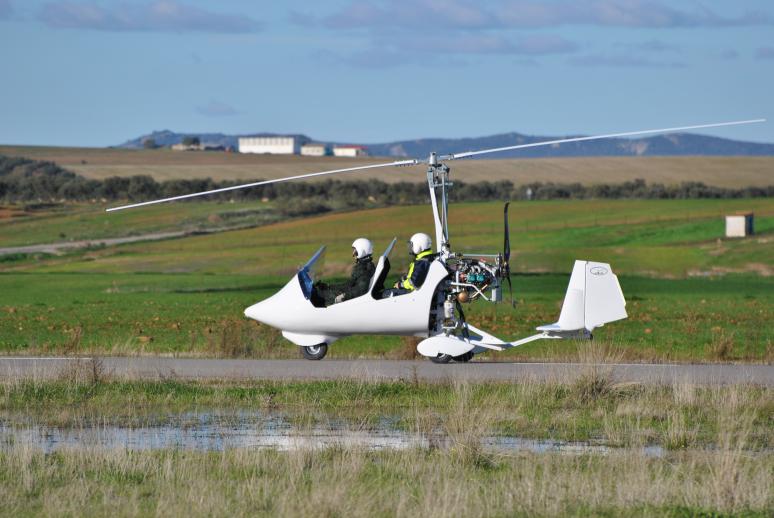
<point x="216" y="432"/>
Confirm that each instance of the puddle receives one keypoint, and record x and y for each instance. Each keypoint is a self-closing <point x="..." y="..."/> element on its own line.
<point x="214" y="432"/>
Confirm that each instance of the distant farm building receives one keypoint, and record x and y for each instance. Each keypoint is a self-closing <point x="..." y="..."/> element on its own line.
<point x="270" y="145"/>
<point x="739" y="225"/>
<point x="314" y="149"/>
<point x="350" y="151"/>
<point x="186" y="147"/>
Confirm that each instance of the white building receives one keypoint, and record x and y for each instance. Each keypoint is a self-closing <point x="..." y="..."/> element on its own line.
<point x="350" y="151"/>
<point x="270" y="145"/>
<point x="314" y="149"/>
<point x="739" y="225"/>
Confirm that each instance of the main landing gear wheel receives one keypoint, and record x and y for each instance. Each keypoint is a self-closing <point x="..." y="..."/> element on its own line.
<point x="464" y="358"/>
<point x="442" y="358"/>
<point x="314" y="352"/>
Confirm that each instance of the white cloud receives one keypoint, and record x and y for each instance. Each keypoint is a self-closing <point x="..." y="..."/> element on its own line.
<point x="471" y="15"/>
<point x="155" y="16"/>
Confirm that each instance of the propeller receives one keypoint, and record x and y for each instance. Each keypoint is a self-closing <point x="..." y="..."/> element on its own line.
<point x="506" y="268"/>
<point x="465" y="330"/>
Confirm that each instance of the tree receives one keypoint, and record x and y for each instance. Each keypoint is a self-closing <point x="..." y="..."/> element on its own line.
<point x="149" y="143"/>
<point x="191" y="141"/>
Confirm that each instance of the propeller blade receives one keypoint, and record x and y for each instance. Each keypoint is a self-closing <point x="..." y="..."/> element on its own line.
<point x="507" y="252"/>
<point x="398" y="163"/>
<point x="465" y="330"/>
<point x="507" y="238"/>
<point x="457" y="156"/>
<point x="510" y="287"/>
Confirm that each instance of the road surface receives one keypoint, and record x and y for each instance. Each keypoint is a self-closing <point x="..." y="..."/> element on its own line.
<point x="64" y="246"/>
<point x="175" y="368"/>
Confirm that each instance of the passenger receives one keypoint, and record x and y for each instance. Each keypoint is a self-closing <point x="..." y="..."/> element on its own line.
<point x="358" y="283"/>
<point x="420" y="246"/>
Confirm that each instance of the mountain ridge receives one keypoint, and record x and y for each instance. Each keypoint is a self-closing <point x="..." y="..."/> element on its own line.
<point x="673" y="144"/>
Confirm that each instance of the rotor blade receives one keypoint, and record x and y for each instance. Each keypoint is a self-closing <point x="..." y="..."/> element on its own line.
<point x="457" y="156"/>
<point x="267" y="182"/>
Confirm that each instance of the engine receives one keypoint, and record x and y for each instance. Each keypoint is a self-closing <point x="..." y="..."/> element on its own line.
<point x="474" y="278"/>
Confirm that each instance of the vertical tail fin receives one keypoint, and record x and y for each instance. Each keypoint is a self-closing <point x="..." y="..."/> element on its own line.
<point x="593" y="299"/>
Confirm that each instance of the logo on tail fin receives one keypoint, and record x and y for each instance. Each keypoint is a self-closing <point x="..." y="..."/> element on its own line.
<point x="598" y="270"/>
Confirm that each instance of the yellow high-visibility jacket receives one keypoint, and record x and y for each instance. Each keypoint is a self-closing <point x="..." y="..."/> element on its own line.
<point x="418" y="270"/>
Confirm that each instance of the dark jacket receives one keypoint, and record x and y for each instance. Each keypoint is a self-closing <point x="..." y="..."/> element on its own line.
<point x="418" y="271"/>
<point x="357" y="284"/>
<point x="360" y="279"/>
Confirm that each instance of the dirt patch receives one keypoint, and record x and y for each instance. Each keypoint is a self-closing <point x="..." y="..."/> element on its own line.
<point x="764" y="270"/>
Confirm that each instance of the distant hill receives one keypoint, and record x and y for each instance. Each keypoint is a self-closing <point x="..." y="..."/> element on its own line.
<point x="166" y="138"/>
<point x="675" y="144"/>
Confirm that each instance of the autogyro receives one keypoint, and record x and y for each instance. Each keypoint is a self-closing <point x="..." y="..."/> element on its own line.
<point x="434" y="311"/>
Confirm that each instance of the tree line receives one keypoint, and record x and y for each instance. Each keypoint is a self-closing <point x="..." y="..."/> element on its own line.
<point x="25" y="180"/>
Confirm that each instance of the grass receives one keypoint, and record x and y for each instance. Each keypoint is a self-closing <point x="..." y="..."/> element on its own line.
<point x="339" y="482"/>
<point x="718" y="459"/>
<point x="593" y="408"/>
<point x="691" y="296"/>
<point x="21" y="226"/>
<point x="674" y="238"/>
<point x="721" y="319"/>
<point x="164" y="164"/>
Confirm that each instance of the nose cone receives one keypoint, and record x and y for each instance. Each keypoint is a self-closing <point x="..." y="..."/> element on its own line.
<point x="270" y="312"/>
<point x="255" y="312"/>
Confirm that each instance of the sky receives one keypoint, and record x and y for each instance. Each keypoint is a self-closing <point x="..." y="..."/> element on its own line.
<point x="97" y="73"/>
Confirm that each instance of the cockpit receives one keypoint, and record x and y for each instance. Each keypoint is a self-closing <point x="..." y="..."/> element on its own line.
<point x="308" y="275"/>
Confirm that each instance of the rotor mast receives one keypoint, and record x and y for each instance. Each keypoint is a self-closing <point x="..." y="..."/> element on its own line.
<point x="438" y="184"/>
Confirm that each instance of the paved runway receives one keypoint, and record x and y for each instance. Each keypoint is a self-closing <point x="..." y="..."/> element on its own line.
<point x="174" y="368"/>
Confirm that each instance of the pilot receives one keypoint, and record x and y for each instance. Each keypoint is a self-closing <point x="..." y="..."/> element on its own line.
<point x="420" y="246"/>
<point x="358" y="283"/>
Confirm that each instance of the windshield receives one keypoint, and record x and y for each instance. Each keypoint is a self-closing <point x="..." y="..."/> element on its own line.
<point x="310" y="271"/>
<point x="389" y="248"/>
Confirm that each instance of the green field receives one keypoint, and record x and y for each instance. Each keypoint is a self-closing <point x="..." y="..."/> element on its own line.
<point x="199" y="314"/>
<point x="691" y="296"/>
<point x="21" y="226"/>
<point x="665" y="238"/>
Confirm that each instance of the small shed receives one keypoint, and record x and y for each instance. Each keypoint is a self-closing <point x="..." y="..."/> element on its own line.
<point x="350" y="151"/>
<point x="739" y="224"/>
<point x="314" y="149"/>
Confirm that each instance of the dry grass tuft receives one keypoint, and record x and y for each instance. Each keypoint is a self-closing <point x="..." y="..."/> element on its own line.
<point x="407" y="349"/>
<point x="240" y="338"/>
<point x="721" y="348"/>
<point x="596" y="379"/>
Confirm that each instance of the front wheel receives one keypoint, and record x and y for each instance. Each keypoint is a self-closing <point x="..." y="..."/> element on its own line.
<point x="314" y="352"/>
<point x="442" y="358"/>
<point x="464" y="358"/>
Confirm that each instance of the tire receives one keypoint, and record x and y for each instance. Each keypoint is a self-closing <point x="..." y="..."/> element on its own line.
<point x="464" y="358"/>
<point x="314" y="352"/>
<point x="442" y="358"/>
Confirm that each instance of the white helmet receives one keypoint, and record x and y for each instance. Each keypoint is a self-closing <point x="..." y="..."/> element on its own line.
<point x="362" y="247"/>
<point x="419" y="243"/>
